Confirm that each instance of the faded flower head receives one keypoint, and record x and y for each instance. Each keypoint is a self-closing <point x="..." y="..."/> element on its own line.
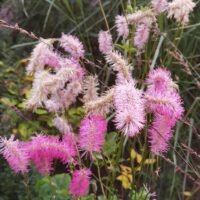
<point x="180" y="10"/>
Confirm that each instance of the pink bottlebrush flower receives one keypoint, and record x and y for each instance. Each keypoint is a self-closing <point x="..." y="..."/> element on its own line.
<point x="80" y="182"/>
<point x="141" y="36"/>
<point x="105" y="42"/>
<point x="72" y="45"/>
<point x="44" y="149"/>
<point x="92" y="133"/>
<point x="165" y="103"/>
<point x="15" y="154"/>
<point x="159" y="79"/>
<point x="122" y="26"/>
<point x="161" y="132"/>
<point x="129" y="105"/>
<point x="159" y="5"/>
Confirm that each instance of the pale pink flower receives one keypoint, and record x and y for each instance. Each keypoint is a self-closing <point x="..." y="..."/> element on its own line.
<point x="159" y="79"/>
<point x="159" y="5"/>
<point x="72" y="45"/>
<point x="13" y="151"/>
<point x="161" y="132"/>
<point x="129" y="105"/>
<point x="122" y="26"/>
<point x="80" y="182"/>
<point x="180" y="10"/>
<point x="92" y="133"/>
<point x="105" y="42"/>
<point x="141" y="36"/>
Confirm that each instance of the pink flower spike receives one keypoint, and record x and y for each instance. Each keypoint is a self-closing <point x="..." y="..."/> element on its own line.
<point x="160" y="133"/>
<point x="129" y="104"/>
<point x="92" y="133"/>
<point x="141" y="36"/>
<point x="159" y="5"/>
<point x="15" y="154"/>
<point x="72" y="45"/>
<point x="159" y="79"/>
<point x="80" y="182"/>
<point x="122" y="26"/>
<point x="105" y="42"/>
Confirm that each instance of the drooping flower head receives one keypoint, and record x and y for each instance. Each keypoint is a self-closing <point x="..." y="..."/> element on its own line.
<point x="92" y="133"/>
<point x="105" y="42"/>
<point x="122" y="26"/>
<point x="15" y="154"/>
<point x="129" y="105"/>
<point x="180" y="10"/>
<point x="80" y="182"/>
<point x="72" y="45"/>
<point x="43" y="150"/>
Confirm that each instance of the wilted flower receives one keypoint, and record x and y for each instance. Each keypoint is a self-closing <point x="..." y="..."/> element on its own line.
<point x="62" y="125"/>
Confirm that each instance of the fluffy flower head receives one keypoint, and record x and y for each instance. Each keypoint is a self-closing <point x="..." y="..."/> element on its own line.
<point x="159" y="5"/>
<point x="92" y="133"/>
<point x="15" y="154"/>
<point x="80" y="182"/>
<point x="122" y="26"/>
<point x="129" y="105"/>
<point x="105" y="42"/>
<point x="180" y="10"/>
<point x="72" y="45"/>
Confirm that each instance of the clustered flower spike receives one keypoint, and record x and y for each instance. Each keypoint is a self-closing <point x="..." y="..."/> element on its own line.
<point x="165" y="103"/>
<point x="180" y="10"/>
<point x="92" y="133"/>
<point x="129" y="105"/>
<point x="80" y="182"/>
<point x="13" y="151"/>
<point x="62" y="125"/>
<point x="105" y="42"/>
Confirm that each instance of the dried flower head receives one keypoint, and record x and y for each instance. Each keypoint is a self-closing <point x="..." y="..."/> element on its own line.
<point x="62" y="125"/>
